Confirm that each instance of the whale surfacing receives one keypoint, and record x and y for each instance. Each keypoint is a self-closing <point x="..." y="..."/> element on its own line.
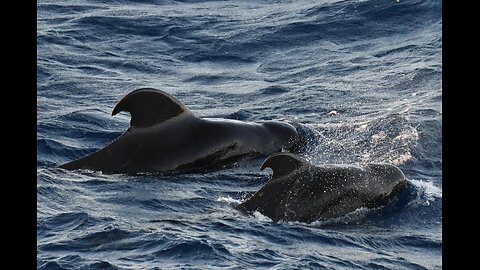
<point x="300" y="191"/>
<point x="165" y="136"/>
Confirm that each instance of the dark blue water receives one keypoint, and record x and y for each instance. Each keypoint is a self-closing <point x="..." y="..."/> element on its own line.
<point x="363" y="77"/>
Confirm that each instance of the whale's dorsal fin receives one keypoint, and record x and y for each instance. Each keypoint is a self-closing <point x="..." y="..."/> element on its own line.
<point x="283" y="164"/>
<point x="148" y="106"/>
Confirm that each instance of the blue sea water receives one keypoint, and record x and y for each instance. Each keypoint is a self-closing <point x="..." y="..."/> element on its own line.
<point x="363" y="77"/>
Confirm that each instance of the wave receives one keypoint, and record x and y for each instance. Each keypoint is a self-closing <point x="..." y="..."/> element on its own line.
<point x="361" y="80"/>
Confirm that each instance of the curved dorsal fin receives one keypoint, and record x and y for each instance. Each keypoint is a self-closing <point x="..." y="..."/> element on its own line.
<point x="148" y="106"/>
<point x="283" y="164"/>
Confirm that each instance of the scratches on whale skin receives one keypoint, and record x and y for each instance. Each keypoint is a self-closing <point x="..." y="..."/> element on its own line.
<point x="134" y="154"/>
<point x="214" y="160"/>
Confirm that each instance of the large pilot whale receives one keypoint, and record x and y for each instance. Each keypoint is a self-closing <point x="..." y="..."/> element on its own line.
<point x="164" y="136"/>
<point x="300" y="191"/>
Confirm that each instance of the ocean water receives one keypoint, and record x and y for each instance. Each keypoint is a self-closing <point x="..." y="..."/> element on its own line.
<point x="364" y="78"/>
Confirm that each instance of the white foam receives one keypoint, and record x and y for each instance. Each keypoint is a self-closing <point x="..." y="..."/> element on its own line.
<point x="401" y="158"/>
<point x="362" y="127"/>
<point x="261" y="217"/>
<point x="332" y="113"/>
<point x="408" y="135"/>
<point x="229" y="200"/>
<point x="428" y="192"/>
<point x="406" y="139"/>
<point x="378" y="137"/>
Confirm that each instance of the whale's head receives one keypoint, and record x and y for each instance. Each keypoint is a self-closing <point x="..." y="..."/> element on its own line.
<point x="285" y="135"/>
<point x="389" y="179"/>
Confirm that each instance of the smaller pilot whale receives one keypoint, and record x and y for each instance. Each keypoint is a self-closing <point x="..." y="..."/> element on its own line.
<point x="300" y="191"/>
<point x="165" y="137"/>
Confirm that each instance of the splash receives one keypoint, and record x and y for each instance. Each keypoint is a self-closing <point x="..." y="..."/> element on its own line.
<point x="427" y="192"/>
<point x="229" y="200"/>
<point x="261" y="217"/>
<point x="388" y="138"/>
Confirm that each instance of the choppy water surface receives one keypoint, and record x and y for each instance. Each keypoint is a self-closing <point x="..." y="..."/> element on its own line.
<point x="364" y="77"/>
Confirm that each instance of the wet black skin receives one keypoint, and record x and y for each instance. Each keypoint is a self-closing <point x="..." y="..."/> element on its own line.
<point x="300" y="191"/>
<point x="174" y="140"/>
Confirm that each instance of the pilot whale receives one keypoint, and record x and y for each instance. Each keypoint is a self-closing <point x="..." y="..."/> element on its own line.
<point x="300" y="191"/>
<point x="164" y="136"/>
